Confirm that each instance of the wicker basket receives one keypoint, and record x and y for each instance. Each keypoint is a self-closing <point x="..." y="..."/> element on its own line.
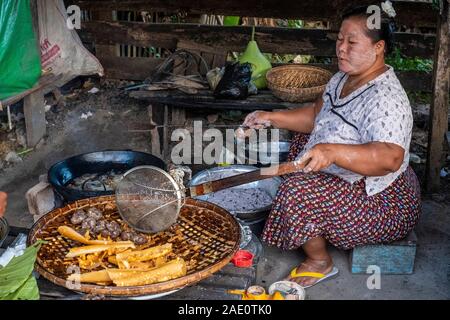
<point x="205" y="236"/>
<point x="297" y="83"/>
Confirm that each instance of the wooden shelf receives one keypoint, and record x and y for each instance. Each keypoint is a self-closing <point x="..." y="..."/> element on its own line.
<point x="264" y="100"/>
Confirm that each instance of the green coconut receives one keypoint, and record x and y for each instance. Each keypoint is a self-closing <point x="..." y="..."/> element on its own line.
<point x="260" y="64"/>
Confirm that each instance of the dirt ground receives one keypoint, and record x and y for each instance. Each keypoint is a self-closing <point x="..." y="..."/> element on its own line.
<point x="109" y="119"/>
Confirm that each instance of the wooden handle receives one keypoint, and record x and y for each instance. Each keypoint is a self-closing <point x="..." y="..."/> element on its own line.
<point x="240" y="179"/>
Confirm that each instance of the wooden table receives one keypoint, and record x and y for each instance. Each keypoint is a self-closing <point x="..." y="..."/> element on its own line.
<point x="34" y="107"/>
<point x="264" y="100"/>
<point x="167" y="108"/>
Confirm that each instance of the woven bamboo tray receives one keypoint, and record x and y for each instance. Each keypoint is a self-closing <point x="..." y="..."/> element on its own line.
<point x="297" y="83"/>
<point x="205" y="236"/>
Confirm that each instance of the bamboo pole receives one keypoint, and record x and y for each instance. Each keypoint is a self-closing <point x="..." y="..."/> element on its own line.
<point x="439" y="105"/>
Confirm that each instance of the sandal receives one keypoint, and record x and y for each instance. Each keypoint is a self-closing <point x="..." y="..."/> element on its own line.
<point x="317" y="275"/>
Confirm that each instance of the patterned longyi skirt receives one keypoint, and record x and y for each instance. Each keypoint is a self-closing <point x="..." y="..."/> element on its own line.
<point x="319" y="204"/>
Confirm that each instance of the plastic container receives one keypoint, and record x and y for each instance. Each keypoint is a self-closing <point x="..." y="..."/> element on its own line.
<point x="243" y="259"/>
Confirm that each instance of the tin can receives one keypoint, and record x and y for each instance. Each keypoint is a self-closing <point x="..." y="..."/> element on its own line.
<point x="289" y="289"/>
<point x="256" y="293"/>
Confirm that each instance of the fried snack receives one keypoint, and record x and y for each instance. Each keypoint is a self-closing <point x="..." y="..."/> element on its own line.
<point x="112" y="259"/>
<point x="160" y="261"/>
<point x="144" y="255"/>
<point x="111" y="248"/>
<point x="70" y="233"/>
<point x="125" y="264"/>
<point x="91" y="277"/>
<point x="90" y="261"/>
<point x="140" y="265"/>
<point x="102" y="276"/>
<point x="171" y="270"/>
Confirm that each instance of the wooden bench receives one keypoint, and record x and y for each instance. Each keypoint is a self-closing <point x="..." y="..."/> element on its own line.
<point x="33" y="107"/>
<point x="33" y="98"/>
<point x="393" y="258"/>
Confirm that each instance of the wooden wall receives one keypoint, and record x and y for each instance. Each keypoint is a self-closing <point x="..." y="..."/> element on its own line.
<point x="105" y="33"/>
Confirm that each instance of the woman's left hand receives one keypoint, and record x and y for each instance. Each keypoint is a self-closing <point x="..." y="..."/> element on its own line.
<point x="319" y="157"/>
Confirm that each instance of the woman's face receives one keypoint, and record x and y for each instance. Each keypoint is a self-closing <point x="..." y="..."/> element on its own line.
<point x="356" y="52"/>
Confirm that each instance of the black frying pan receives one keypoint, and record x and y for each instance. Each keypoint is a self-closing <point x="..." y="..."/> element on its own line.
<point x="100" y="162"/>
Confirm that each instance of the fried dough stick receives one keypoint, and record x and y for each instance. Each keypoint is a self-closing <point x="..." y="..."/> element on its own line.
<point x="70" y="233"/>
<point x="101" y="276"/>
<point x="173" y="269"/>
<point x="144" y="255"/>
<point x="78" y="251"/>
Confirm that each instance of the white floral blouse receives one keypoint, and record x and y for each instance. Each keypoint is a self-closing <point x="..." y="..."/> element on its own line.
<point x="378" y="111"/>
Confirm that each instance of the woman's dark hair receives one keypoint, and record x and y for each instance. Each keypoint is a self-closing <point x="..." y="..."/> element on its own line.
<point x="385" y="32"/>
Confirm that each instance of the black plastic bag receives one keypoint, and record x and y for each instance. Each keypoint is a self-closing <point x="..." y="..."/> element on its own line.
<point x="235" y="81"/>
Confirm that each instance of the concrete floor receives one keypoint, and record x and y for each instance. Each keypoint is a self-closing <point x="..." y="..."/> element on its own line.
<point x="108" y="128"/>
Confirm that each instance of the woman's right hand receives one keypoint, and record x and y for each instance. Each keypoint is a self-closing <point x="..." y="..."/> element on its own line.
<point x="257" y="120"/>
<point x="254" y="120"/>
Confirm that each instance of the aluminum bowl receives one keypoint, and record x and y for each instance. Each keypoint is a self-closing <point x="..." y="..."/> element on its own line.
<point x="270" y="185"/>
<point x="278" y="151"/>
<point x="4" y="230"/>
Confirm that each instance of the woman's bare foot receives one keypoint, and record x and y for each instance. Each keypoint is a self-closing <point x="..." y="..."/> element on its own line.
<point x="310" y="265"/>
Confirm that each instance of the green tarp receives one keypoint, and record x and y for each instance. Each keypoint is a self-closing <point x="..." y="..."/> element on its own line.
<point x="20" y="66"/>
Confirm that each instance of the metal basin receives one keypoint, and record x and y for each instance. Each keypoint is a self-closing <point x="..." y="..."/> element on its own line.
<point x="278" y="151"/>
<point x="269" y="185"/>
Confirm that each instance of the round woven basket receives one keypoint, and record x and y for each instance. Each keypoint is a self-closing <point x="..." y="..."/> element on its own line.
<point x="297" y="83"/>
<point x="205" y="236"/>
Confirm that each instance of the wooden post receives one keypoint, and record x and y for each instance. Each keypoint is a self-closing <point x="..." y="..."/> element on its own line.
<point x="159" y="123"/>
<point x="178" y="117"/>
<point x="155" y="121"/>
<point x="34" y="110"/>
<point x="439" y="106"/>
<point x="167" y="124"/>
<point x="34" y="104"/>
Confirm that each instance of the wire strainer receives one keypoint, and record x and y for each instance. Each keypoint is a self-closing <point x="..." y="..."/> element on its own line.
<point x="149" y="199"/>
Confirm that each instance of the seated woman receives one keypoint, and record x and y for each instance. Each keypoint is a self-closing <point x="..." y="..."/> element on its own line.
<point x="357" y="187"/>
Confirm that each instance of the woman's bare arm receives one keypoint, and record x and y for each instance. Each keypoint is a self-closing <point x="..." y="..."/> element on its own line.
<point x="369" y="159"/>
<point x="298" y="120"/>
